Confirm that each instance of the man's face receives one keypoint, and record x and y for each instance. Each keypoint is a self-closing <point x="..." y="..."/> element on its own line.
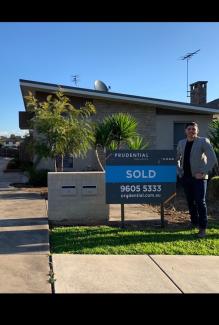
<point x="191" y="131"/>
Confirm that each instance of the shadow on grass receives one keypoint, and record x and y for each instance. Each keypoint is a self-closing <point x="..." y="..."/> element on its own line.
<point x="135" y="225"/>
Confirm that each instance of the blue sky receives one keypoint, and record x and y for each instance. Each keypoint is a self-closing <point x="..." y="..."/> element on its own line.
<point x="133" y="58"/>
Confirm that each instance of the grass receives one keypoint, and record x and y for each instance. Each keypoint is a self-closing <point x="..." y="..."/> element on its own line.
<point x="114" y="240"/>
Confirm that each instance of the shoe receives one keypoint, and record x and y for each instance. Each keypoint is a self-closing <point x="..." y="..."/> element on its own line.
<point x="201" y="233"/>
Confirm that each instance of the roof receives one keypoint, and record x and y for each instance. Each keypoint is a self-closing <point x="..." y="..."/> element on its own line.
<point x="214" y="103"/>
<point x="29" y="85"/>
<point x="199" y="82"/>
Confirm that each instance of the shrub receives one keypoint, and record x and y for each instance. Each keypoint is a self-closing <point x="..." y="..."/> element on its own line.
<point x="213" y="188"/>
<point x="26" y="165"/>
<point x="37" y="177"/>
<point x="13" y="164"/>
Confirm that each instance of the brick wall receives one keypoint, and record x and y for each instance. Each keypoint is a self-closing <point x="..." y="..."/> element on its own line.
<point x="145" y="116"/>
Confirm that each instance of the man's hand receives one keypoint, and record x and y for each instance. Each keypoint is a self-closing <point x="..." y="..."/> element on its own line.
<point x="199" y="175"/>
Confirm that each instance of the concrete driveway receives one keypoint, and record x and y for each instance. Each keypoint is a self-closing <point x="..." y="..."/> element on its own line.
<point x="24" y="238"/>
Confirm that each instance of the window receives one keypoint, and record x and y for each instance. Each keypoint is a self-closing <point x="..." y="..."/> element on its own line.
<point x="68" y="161"/>
<point x="179" y="132"/>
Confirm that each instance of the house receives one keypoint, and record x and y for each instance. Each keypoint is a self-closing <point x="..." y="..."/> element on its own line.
<point x="10" y="142"/>
<point x="160" y="122"/>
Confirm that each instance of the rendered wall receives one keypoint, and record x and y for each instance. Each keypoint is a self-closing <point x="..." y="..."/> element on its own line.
<point x="165" y="128"/>
<point x="77" y="198"/>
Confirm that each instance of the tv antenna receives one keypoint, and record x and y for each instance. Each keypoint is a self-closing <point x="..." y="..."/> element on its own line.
<point x="187" y="57"/>
<point x="75" y="79"/>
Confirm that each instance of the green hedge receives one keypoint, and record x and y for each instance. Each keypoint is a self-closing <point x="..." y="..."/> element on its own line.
<point x="213" y="188"/>
<point x="38" y="177"/>
<point x="13" y="164"/>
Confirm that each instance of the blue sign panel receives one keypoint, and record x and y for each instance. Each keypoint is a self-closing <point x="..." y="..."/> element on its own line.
<point x="142" y="174"/>
<point x="146" y="176"/>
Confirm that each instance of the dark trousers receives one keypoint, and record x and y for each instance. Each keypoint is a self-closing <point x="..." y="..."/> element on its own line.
<point x="195" y="191"/>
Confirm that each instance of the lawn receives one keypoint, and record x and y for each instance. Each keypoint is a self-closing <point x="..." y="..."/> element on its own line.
<point x="115" y="240"/>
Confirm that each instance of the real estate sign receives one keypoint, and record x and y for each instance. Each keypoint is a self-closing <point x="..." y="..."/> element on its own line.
<point x="140" y="176"/>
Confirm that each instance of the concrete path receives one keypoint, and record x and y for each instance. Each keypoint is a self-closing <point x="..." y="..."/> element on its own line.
<point x="24" y="239"/>
<point x="109" y="274"/>
<point x="192" y="273"/>
<point x="24" y="274"/>
<point x="23" y="223"/>
<point x="24" y="243"/>
<point x="135" y="274"/>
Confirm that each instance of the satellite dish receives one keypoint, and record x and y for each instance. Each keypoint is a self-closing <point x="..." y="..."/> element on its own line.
<point x="100" y="85"/>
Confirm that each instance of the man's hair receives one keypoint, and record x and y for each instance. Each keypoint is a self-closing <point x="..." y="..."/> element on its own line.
<point x="191" y="123"/>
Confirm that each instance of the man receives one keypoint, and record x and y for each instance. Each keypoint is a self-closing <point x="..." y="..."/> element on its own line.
<point x="195" y="159"/>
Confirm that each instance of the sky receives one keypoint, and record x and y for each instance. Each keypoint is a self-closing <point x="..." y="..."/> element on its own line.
<point x="135" y="58"/>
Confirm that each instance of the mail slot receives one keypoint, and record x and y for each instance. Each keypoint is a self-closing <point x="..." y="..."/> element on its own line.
<point x="68" y="190"/>
<point x="89" y="190"/>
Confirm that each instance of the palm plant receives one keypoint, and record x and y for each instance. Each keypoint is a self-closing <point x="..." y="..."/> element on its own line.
<point x="116" y="131"/>
<point x="123" y="127"/>
<point x="137" y="143"/>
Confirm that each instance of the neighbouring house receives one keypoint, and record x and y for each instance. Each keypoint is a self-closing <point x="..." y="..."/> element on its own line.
<point x="160" y="122"/>
<point x="10" y="146"/>
<point x="10" y="142"/>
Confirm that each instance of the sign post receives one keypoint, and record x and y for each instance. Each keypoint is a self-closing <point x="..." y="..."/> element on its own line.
<point x="140" y="176"/>
<point x="122" y="215"/>
<point x="162" y="215"/>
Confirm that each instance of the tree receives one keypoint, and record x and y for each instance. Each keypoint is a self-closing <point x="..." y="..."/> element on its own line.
<point x="60" y="128"/>
<point x="116" y="131"/>
<point x="26" y="148"/>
